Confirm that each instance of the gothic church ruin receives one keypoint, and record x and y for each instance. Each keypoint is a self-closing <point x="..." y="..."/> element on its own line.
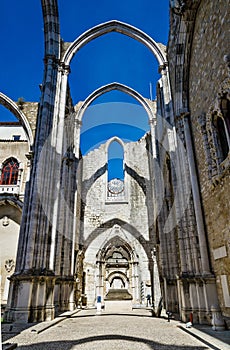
<point x="162" y="229"/>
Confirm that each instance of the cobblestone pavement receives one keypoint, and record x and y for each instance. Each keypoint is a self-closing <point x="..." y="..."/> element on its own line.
<point x="88" y="331"/>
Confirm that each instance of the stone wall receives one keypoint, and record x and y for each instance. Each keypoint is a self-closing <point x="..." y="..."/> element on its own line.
<point x="208" y="71"/>
<point x="104" y="218"/>
<point x="198" y="43"/>
<point x="30" y="109"/>
<point x="18" y="150"/>
<point x="133" y="209"/>
<point x="11" y="209"/>
<point x="10" y="218"/>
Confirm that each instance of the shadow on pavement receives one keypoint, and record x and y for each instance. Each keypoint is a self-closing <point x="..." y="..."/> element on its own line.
<point x="67" y="345"/>
<point x="103" y="314"/>
<point x="9" y="330"/>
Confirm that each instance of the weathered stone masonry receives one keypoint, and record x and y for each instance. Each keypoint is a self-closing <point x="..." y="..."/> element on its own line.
<point x="167" y="232"/>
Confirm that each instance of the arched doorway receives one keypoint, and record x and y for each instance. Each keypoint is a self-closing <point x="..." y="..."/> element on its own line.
<point x="119" y="271"/>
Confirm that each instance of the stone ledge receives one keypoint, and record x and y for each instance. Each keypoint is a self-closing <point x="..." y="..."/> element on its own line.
<point x="212" y="341"/>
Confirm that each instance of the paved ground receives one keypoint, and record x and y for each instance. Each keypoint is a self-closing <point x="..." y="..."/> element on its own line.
<point x="88" y="331"/>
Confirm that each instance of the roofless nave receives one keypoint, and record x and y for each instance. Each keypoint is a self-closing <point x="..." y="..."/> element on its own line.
<point x="84" y="235"/>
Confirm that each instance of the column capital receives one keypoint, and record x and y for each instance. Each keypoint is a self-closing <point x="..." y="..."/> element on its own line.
<point x="63" y="68"/>
<point x="30" y="157"/>
<point x="162" y="67"/>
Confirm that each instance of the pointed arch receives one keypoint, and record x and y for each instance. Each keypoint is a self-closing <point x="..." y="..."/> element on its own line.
<point x="124" y="225"/>
<point x="8" y="202"/>
<point x="114" y="139"/>
<point x="119" y="27"/>
<point x="10" y="172"/>
<point x="117" y="274"/>
<point x="13" y="108"/>
<point x="112" y="243"/>
<point x="115" y="159"/>
<point x="115" y="86"/>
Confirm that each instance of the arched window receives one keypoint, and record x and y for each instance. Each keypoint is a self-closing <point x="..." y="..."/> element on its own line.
<point x="115" y="170"/>
<point x="222" y="125"/>
<point x="222" y="136"/>
<point x="10" y="172"/>
<point x="169" y="195"/>
<point x="115" y="161"/>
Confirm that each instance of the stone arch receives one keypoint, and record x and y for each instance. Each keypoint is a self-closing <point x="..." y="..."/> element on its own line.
<point x="11" y="207"/>
<point x="13" y="108"/>
<point x="114" y="139"/>
<point x="130" y="253"/>
<point x="8" y="157"/>
<point x="11" y="156"/>
<point x="11" y="200"/>
<point x="121" y="167"/>
<point x="119" y="27"/>
<point x="117" y="261"/>
<point x="123" y="224"/>
<point x="121" y="275"/>
<point x="115" y="86"/>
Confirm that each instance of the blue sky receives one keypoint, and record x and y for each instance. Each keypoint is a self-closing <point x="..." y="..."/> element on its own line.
<point x="112" y="57"/>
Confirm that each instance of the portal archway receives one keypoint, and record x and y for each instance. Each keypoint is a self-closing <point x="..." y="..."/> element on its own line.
<point x="121" y="267"/>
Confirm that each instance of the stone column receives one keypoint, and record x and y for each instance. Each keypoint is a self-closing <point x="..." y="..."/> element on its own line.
<point x="58" y="143"/>
<point x="196" y="197"/>
<point x="100" y="281"/>
<point x="134" y="283"/>
<point x="103" y="287"/>
<point x="39" y="224"/>
<point x="167" y="97"/>
<point x="76" y="218"/>
<point x="136" y="278"/>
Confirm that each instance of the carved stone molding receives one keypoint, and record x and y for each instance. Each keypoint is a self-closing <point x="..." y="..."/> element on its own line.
<point x="5" y="221"/>
<point x="9" y="265"/>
